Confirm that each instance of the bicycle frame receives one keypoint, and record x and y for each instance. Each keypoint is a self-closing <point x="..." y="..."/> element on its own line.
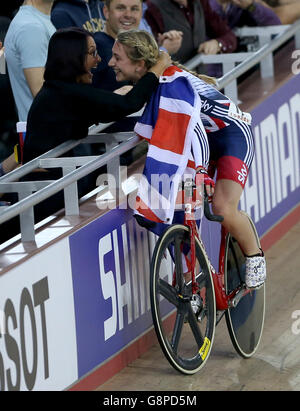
<point x="223" y="301"/>
<point x="199" y="295"/>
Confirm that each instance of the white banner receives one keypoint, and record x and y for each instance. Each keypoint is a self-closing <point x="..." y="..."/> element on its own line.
<point x="37" y="323"/>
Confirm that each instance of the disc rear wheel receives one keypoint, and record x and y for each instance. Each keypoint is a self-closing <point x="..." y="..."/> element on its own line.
<point x="245" y="321"/>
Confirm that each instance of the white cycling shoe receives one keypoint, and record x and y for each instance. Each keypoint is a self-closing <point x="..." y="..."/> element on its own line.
<point x="256" y="272"/>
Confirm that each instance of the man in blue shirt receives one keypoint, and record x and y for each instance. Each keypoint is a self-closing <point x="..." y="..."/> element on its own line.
<point x="26" y="47"/>
<point x="87" y="14"/>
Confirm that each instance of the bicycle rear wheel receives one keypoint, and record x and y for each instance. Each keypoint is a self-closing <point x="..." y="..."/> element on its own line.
<point x="245" y="321"/>
<point x="185" y="339"/>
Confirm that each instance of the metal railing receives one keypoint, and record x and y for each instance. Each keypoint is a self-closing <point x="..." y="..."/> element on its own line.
<point x="259" y="55"/>
<point x="248" y="60"/>
<point x="74" y="168"/>
<point x="32" y="193"/>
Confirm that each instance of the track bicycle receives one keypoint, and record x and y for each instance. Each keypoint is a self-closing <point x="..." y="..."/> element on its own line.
<point x="186" y="311"/>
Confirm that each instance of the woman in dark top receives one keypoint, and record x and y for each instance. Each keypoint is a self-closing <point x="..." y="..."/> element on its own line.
<point x="67" y="104"/>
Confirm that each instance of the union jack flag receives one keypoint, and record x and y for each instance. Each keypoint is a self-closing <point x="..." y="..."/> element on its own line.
<point x="177" y="144"/>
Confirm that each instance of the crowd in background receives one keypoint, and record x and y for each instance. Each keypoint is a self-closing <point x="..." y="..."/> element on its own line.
<point x="181" y="27"/>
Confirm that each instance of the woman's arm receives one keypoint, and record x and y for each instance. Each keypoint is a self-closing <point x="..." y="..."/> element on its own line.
<point x="8" y="164"/>
<point x="123" y="90"/>
<point x="102" y="106"/>
<point x="111" y="106"/>
<point x="105" y="106"/>
<point x="134" y="100"/>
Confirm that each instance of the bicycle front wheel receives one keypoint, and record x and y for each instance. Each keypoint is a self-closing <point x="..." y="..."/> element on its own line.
<point x="245" y="321"/>
<point x="186" y="338"/>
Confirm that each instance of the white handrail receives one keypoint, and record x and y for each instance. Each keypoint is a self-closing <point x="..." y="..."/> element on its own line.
<point x="259" y="55"/>
<point x="65" y="181"/>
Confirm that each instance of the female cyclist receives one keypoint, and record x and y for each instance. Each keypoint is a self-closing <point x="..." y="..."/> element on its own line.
<point x="228" y="143"/>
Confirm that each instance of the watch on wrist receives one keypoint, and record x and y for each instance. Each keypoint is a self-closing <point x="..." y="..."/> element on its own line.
<point x="221" y="46"/>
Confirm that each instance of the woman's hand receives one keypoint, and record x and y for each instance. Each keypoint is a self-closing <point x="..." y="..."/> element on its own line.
<point x="163" y="62"/>
<point x="209" y="47"/>
<point x="123" y="90"/>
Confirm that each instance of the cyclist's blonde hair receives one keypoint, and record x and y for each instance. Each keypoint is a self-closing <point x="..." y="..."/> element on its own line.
<point x="140" y="45"/>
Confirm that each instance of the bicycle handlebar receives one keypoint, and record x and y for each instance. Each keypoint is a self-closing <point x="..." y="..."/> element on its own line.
<point x="208" y="214"/>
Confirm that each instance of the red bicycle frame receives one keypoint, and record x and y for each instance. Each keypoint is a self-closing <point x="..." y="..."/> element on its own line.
<point x="223" y="300"/>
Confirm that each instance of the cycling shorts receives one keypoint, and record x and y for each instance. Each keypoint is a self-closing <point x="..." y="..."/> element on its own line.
<point x="231" y="153"/>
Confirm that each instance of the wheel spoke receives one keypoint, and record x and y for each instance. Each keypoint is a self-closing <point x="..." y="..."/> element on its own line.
<point x="178" y="262"/>
<point x="194" y="327"/>
<point x="177" y="330"/>
<point x="167" y="291"/>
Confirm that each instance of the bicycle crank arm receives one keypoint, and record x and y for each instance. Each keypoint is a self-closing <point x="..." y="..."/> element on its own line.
<point x="237" y="298"/>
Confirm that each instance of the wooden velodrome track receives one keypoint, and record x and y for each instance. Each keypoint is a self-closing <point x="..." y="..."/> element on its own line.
<point x="274" y="367"/>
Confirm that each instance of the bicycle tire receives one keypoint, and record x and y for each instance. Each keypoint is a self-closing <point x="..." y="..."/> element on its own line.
<point x="185" y="341"/>
<point x="245" y="322"/>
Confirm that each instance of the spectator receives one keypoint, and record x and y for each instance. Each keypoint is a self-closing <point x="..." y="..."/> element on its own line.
<point x="241" y="13"/>
<point x="72" y="54"/>
<point x="87" y="14"/>
<point x="288" y="11"/>
<point x="26" y="45"/>
<point x="8" y="135"/>
<point x="67" y="105"/>
<point x="123" y="15"/>
<point x="168" y="40"/>
<point x="205" y="32"/>
<point x="143" y="24"/>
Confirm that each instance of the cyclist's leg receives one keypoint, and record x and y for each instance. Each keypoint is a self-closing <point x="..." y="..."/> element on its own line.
<point x="225" y="202"/>
<point x="245" y="318"/>
<point x="233" y="150"/>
